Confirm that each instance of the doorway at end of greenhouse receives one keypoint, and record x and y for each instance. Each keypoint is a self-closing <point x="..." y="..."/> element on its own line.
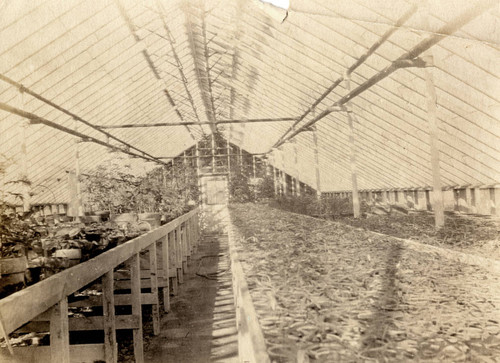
<point x="214" y="198"/>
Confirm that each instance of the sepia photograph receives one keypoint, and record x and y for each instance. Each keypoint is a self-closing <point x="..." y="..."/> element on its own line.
<point x="249" y="181"/>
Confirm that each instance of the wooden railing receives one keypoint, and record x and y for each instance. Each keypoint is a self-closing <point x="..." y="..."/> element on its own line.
<point x="44" y="306"/>
<point x="483" y="199"/>
<point x="251" y="342"/>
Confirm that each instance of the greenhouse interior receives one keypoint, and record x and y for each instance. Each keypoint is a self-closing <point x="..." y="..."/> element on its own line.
<point x="249" y="181"/>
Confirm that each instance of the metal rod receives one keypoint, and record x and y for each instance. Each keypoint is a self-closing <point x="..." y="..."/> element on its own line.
<point x="356" y="64"/>
<point x="206" y="156"/>
<point x="34" y="119"/>
<point x="402" y="61"/>
<point x="57" y="107"/>
<point x="162" y="124"/>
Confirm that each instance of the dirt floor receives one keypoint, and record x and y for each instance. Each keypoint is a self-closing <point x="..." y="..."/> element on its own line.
<point x="201" y="326"/>
<point x="328" y="292"/>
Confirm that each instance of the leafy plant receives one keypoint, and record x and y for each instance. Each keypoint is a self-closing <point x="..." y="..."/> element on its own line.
<point x="16" y="235"/>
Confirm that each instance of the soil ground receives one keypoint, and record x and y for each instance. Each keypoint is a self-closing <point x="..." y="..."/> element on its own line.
<point x="201" y="326"/>
<point x="328" y="292"/>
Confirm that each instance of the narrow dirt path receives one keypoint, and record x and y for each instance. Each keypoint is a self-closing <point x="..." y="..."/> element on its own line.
<point x="201" y="326"/>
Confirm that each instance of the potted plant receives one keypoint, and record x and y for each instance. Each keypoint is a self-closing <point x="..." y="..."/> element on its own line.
<point x="16" y="238"/>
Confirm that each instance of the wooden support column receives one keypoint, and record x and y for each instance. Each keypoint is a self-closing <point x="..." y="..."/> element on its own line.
<point x="197" y="228"/>
<point x="178" y="248"/>
<point x="135" y="277"/>
<point x="59" y="332"/>
<point x="476" y="194"/>
<point x="354" y="172"/>
<point x="188" y="239"/>
<point x="316" y="161"/>
<point x="197" y="152"/>
<point x="78" y="204"/>
<point x="172" y="261"/>
<point x="283" y="174"/>
<point x="228" y="151"/>
<point x="275" y="177"/>
<point x="438" y="204"/>
<point x="153" y="270"/>
<point x="164" y="177"/>
<point x="184" y="164"/>
<point x="213" y="152"/>
<point x="108" y="311"/>
<point x="166" y="277"/>
<point x="184" y="247"/>
<point x="296" y="183"/>
<point x="468" y="198"/>
<point x="24" y="170"/>
<point x="496" y="199"/>
<point x="253" y="167"/>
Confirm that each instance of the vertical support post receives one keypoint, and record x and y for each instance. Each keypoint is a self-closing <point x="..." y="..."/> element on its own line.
<point x="59" y="332"/>
<point x="164" y="177"/>
<point x="184" y="164"/>
<point x="135" y="277"/>
<point x="188" y="239"/>
<point x="79" y="208"/>
<point x="476" y="197"/>
<point x="228" y="152"/>
<point x="213" y="152"/>
<point x="240" y="157"/>
<point x="296" y="184"/>
<point x="172" y="261"/>
<point x="468" y="198"/>
<point x="283" y="175"/>
<point x="354" y="173"/>
<point x="434" y="144"/>
<point x="184" y="247"/>
<point x="197" y="152"/>
<point x="316" y="161"/>
<point x="275" y="177"/>
<point x="23" y="140"/>
<point x="495" y="196"/>
<point x="153" y="271"/>
<point x="253" y="167"/>
<point x="178" y="255"/>
<point x="166" y="278"/>
<point x="108" y="311"/>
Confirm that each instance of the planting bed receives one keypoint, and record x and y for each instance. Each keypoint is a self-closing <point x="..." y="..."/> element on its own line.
<point x="328" y="292"/>
<point x="475" y="234"/>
